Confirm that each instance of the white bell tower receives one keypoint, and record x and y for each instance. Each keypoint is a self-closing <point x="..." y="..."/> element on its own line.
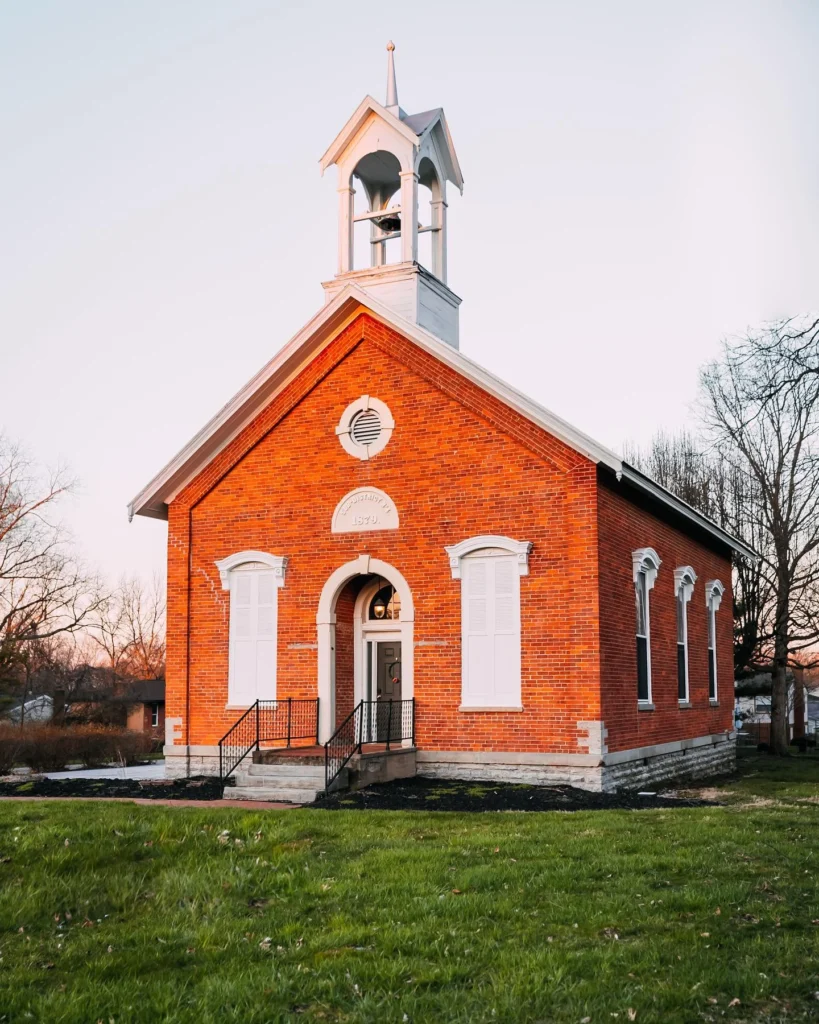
<point x="388" y="153"/>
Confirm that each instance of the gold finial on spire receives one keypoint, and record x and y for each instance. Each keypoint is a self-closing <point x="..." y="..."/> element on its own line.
<point x="392" y="87"/>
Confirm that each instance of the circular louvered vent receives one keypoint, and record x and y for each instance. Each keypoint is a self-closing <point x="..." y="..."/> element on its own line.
<point x="366" y="427"/>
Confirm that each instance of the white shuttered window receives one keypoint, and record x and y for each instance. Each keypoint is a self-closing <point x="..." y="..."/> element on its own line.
<point x="490" y="609"/>
<point x="253" y="628"/>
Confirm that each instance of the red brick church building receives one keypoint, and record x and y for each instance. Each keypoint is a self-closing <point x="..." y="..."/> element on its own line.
<point x="378" y="540"/>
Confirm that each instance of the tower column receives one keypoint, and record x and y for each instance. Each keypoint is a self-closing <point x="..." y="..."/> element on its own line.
<point x="438" y="212"/>
<point x="345" y="229"/>
<point x="409" y="217"/>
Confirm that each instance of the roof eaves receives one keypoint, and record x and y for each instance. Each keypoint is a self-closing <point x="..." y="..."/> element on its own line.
<point x="651" y="487"/>
<point x="152" y="501"/>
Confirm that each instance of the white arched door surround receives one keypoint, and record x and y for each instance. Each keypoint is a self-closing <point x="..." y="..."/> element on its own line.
<point x="364" y="565"/>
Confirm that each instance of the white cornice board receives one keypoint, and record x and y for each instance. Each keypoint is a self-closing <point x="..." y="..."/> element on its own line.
<point x="153" y="499"/>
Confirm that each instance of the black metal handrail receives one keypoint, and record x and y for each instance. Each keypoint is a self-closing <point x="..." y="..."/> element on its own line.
<point x="267" y="721"/>
<point x="370" y="721"/>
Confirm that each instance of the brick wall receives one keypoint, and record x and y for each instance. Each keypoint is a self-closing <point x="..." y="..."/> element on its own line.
<point x="623" y="528"/>
<point x="459" y="463"/>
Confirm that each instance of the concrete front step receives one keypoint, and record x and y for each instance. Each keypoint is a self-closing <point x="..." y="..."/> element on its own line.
<point x="289" y="755"/>
<point x="291" y="783"/>
<point x="281" y="771"/>
<point x="286" y="782"/>
<point x="271" y="794"/>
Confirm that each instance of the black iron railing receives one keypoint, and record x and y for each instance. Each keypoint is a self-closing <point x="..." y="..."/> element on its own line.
<point x="370" y="721"/>
<point x="267" y="721"/>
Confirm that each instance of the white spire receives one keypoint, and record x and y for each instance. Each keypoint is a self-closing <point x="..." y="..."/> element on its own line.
<point x="392" y="86"/>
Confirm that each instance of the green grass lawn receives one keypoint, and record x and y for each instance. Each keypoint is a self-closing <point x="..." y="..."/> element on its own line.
<point x="125" y="913"/>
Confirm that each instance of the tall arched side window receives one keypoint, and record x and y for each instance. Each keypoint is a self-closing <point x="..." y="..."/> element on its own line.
<point x="253" y="579"/>
<point x="684" y="580"/>
<point x="645" y="564"/>
<point x="489" y="569"/>
<point x="713" y="598"/>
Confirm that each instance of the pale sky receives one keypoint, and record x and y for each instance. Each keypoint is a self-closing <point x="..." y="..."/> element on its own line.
<point x="642" y="178"/>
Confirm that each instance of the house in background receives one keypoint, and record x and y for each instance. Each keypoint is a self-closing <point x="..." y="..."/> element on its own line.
<point x="145" y="701"/>
<point x="753" y="708"/>
<point x="37" y="709"/>
<point x="378" y="543"/>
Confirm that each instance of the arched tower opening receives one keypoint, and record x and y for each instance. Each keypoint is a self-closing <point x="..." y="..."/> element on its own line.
<point x="393" y="168"/>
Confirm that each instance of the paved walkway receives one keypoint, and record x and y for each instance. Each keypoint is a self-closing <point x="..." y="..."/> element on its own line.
<point x="245" y="805"/>
<point x="154" y="770"/>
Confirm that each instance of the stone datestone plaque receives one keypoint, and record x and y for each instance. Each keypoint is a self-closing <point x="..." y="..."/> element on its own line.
<point x="365" y="508"/>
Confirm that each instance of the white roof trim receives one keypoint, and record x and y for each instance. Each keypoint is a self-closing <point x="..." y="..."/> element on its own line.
<point x="153" y="499"/>
<point x="456" y="175"/>
<point x="317" y="333"/>
<point x="366" y="106"/>
<point x="651" y="487"/>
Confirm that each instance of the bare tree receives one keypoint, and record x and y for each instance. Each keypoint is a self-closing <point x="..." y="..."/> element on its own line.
<point x="129" y="629"/>
<point x="144" y="620"/>
<point x="761" y="408"/>
<point x="45" y="591"/>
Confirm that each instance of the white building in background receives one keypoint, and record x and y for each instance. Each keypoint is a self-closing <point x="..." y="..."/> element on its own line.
<point x="38" y="709"/>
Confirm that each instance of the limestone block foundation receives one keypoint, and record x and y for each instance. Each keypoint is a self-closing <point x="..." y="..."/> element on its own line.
<point x="182" y="762"/>
<point x="619" y="770"/>
<point x="639" y="768"/>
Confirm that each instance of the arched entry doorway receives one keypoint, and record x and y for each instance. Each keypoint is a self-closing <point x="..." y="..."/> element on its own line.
<point x="357" y="652"/>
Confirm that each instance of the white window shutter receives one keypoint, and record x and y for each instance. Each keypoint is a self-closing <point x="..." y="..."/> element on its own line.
<point x="477" y="636"/>
<point x="253" y="628"/>
<point x="507" y="631"/>
<point x="491" y="632"/>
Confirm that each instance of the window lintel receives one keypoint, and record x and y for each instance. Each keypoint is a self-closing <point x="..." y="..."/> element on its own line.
<point x="519" y="548"/>
<point x="278" y="563"/>
<point x="684" y="579"/>
<point x="713" y="594"/>
<point x="647" y="561"/>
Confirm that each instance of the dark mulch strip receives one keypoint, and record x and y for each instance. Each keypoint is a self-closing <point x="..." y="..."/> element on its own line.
<point x="421" y="794"/>
<point x="200" y="788"/>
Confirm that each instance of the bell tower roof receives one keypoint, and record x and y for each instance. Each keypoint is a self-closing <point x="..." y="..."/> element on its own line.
<point x="413" y="127"/>
<point x="384" y="154"/>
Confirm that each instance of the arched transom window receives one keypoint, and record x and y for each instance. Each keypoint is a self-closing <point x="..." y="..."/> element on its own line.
<point x="385" y="605"/>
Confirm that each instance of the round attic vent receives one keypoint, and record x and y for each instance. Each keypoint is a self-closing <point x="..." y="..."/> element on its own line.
<point x="366" y="427"/>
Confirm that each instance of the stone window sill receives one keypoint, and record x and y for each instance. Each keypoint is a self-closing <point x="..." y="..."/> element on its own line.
<point x="469" y="707"/>
<point x="645" y="706"/>
<point x="238" y="707"/>
<point x="713" y="703"/>
<point x="685" y="704"/>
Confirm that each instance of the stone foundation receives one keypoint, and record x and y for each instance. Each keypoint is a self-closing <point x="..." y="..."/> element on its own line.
<point x="528" y="774"/>
<point x="696" y="762"/>
<point x="619" y="770"/>
<point x="641" y="768"/>
<point x="183" y="762"/>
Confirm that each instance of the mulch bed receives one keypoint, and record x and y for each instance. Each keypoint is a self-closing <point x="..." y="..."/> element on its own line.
<point x="422" y="794"/>
<point x="200" y="788"/>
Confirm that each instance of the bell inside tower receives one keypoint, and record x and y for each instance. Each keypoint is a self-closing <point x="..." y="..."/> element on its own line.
<point x="378" y="213"/>
<point x="393" y="169"/>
